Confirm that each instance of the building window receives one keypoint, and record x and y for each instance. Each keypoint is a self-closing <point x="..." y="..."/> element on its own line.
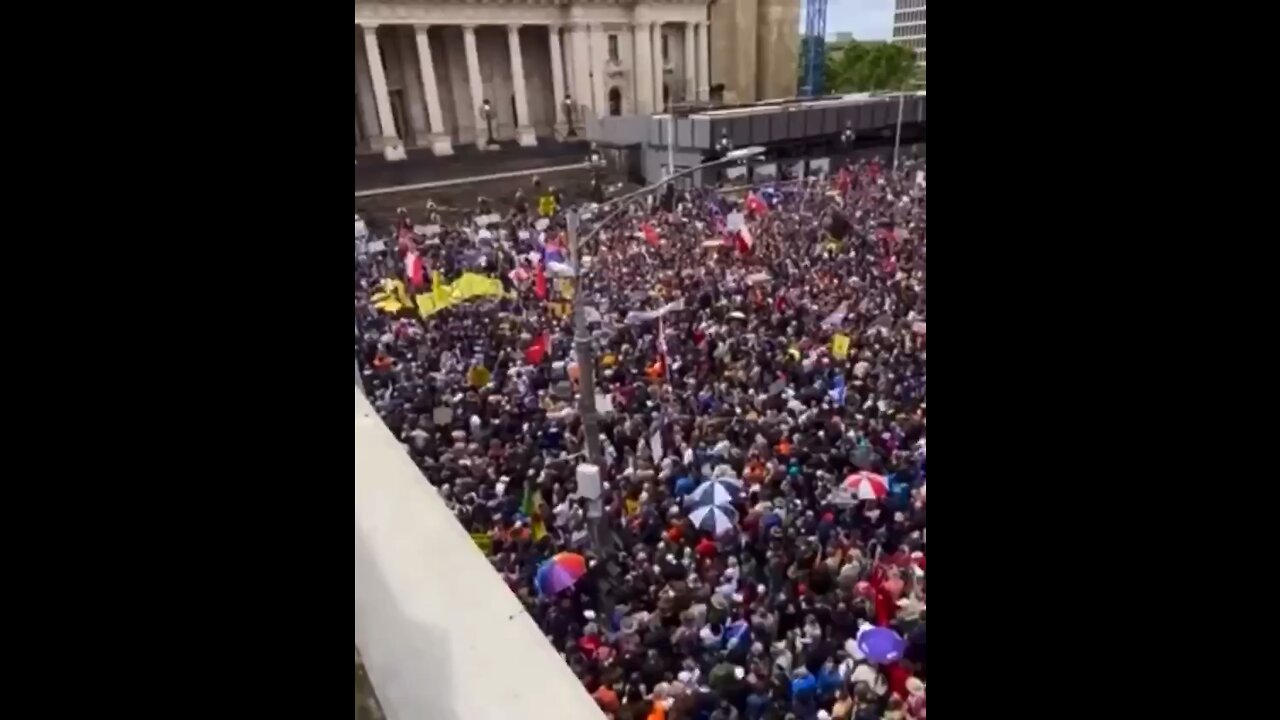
<point x="613" y="47"/>
<point x="664" y="48"/>
<point x="615" y="101"/>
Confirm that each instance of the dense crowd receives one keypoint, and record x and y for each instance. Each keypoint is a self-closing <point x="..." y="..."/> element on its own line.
<point x="760" y="367"/>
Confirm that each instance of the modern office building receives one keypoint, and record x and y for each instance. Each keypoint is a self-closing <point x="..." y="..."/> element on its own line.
<point x="908" y="28"/>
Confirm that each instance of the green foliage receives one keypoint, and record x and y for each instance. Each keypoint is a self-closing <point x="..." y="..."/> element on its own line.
<point x="863" y="67"/>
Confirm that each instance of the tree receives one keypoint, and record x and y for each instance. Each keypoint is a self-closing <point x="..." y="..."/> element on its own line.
<point x="863" y="67"/>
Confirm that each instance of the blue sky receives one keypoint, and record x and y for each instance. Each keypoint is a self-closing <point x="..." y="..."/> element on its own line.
<point x="866" y="19"/>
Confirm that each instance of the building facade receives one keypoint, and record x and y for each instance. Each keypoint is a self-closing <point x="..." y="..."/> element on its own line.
<point x="437" y="73"/>
<point x="755" y="48"/>
<point x="908" y="28"/>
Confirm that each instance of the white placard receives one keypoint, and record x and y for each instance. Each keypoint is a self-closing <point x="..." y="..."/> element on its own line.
<point x="541" y="223"/>
<point x="376" y="246"/>
<point x="604" y="404"/>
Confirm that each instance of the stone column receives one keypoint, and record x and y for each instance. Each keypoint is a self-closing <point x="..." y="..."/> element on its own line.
<point x="599" y="58"/>
<point x="642" y="34"/>
<point x="659" y="74"/>
<point x="412" y="86"/>
<point x="440" y="143"/>
<point x="690" y="63"/>
<point x="364" y="97"/>
<point x="524" y="129"/>
<point x="392" y="147"/>
<point x="473" y="82"/>
<point x="704" y="59"/>
<point x="557" y="79"/>
<point x="581" y="70"/>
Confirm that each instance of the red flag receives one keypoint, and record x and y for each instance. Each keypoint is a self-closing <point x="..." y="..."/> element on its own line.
<point x="755" y="205"/>
<point x="404" y="238"/>
<point x="538" y="350"/>
<point x="414" y="268"/>
<point x="744" y="240"/>
<point x="650" y="235"/>
<point x="845" y="181"/>
<point x="540" y="284"/>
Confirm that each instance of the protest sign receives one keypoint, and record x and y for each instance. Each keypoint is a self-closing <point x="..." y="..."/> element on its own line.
<point x="840" y="346"/>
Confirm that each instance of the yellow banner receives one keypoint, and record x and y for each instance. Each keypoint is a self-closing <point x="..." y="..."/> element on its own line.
<point x="473" y="285"/>
<point x="840" y="346"/>
<point x="470" y="285"/>
<point x="483" y="541"/>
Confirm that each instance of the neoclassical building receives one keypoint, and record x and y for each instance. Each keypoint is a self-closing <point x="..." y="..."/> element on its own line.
<point x="425" y="68"/>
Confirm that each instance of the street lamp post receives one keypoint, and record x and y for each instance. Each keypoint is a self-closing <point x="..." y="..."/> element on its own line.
<point x="897" y="133"/>
<point x="568" y="115"/>
<point x="724" y="145"/>
<point x="486" y="112"/>
<point x="847" y="138"/>
<point x="582" y="338"/>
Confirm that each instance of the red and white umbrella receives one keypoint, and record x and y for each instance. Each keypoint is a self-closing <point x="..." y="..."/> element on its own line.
<point x="867" y="485"/>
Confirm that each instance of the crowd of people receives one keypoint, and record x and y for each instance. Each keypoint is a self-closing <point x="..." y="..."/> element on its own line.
<point x="759" y="361"/>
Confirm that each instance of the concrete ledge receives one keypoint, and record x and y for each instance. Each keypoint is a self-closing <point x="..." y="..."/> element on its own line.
<point x="441" y="636"/>
<point x="469" y="180"/>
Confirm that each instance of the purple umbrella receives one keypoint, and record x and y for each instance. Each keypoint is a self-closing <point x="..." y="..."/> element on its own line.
<point x="881" y="645"/>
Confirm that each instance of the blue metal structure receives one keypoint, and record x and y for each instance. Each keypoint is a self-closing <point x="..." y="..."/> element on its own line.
<point x="813" y="48"/>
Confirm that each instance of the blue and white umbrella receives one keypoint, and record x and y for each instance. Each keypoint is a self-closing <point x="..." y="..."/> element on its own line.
<point x="720" y="491"/>
<point x="714" y="519"/>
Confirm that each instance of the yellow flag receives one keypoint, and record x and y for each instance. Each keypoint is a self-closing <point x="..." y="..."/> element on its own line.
<point x="472" y="285"/>
<point x="537" y="528"/>
<point x="439" y="291"/>
<point x="565" y="288"/>
<point x="478" y="376"/>
<point x="546" y="205"/>
<point x="840" y="346"/>
<point x="392" y="298"/>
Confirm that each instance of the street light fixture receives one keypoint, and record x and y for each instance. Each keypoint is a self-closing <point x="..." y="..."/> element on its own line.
<point x="848" y="136"/>
<point x="724" y="145"/>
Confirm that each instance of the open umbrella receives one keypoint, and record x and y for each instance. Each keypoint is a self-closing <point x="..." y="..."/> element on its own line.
<point x="560" y="572"/>
<point x="881" y="645"/>
<point x="716" y="492"/>
<point x="867" y="485"/>
<point x="714" y="519"/>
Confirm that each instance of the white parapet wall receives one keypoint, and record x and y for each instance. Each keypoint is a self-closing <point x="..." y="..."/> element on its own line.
<point x="441" y="636"/>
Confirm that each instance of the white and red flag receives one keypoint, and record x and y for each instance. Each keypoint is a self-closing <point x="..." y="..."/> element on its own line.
<point x="414" y="268"/>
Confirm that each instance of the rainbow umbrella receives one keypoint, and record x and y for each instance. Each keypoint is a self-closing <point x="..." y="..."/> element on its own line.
<point x="560" y="572"/>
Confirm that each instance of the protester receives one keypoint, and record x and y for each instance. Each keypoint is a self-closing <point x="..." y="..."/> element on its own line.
<point x="775" y="341"/>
